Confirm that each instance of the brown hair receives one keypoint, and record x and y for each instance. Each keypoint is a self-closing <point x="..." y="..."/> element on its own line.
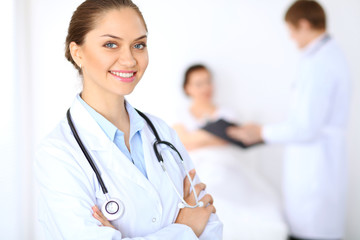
<point x="84" y="18"/>
<point x="309" y="10"/>
<point x="190" y="70"/>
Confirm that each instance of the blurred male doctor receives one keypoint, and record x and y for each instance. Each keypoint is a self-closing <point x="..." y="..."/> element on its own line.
<point x="314" y="132"/>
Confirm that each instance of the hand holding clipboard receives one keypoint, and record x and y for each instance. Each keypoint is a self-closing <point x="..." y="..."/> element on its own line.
<point x="218" y="128"/>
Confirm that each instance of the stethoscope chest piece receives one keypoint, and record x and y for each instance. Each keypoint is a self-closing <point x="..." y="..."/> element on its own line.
<point x="113" y="209"/>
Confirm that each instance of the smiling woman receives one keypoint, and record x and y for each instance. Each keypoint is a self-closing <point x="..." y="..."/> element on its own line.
<point x="112" y="63"/>
<point x="105" y="147"/>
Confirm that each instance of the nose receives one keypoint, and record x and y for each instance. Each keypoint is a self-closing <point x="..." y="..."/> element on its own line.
<point x="126" y="58"/>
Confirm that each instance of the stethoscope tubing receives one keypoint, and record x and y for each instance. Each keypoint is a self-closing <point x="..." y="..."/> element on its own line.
<point x="161" y="161"/>
<point x="157" y="153"/>
<point x="85" y="152"/>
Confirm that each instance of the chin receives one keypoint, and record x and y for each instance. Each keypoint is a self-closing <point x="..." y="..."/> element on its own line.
<point x="301" y="45"/>
<point x="123" y="91"/>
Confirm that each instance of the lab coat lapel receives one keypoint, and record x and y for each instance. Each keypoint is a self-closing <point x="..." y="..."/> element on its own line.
<point x="153" y="168"/>
<point x="120" y="164"/>
<point x="89" y="131"/>
<point x="162" y="185"/>
<point x="156" y="175"/>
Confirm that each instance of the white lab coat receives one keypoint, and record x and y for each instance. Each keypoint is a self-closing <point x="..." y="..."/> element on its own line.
<point x="68" y="187"/>
<point x="314" y="178"/>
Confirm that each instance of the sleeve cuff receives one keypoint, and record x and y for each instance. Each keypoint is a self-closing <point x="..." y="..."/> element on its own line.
<point x="268" y="134"/>
<point x="184" y="231"/>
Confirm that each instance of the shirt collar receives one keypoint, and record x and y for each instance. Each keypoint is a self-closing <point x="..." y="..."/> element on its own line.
<point x="136" y="121"/>
<point x="314" y="45"/>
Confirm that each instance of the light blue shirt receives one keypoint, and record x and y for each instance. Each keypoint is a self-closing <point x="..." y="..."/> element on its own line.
<point x="136" y="154"/>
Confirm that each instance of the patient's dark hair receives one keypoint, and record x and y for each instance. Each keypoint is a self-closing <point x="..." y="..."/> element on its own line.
<point x="190" y="70"/>
<point x="309" y="10"/>
<point x="85" y="17"/>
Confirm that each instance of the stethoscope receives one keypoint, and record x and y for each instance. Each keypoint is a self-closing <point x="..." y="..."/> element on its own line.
<point x="113" y="208"/>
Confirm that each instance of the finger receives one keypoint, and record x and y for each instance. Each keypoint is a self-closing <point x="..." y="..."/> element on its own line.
<point x="103" y="220"/>
<point x="211" y="208"/>
<point x="248" y="136"/>
<point x="99" y="218"/>
<point x="234" y="132"/>
<point x="248" y="141"/>
<point x="192" y="173"/>
<point x="187" y="184"/>
<point x="241" y="135"/>
<point x="231" y="130"/>
<point x="199" y="187"/>
<point x="99" y="215"/>
<point x="207" y="199"/>
<point x="97" y="210"/>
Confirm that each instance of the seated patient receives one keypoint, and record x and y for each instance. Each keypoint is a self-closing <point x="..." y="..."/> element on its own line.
<point x="198" y="86"/>
<point x="245" y="202"/>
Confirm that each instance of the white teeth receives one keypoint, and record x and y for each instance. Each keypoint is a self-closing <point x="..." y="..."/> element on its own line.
<point x="124" y="75"/>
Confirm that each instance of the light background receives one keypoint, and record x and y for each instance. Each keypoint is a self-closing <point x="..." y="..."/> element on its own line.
<point x="244" y="43"/>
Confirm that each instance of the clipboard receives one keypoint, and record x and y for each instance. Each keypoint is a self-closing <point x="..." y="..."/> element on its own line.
<point x="218" y="128"/>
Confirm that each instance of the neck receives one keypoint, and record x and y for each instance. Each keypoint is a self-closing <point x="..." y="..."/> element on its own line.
<point x="110" y="106"/>
<point x="201" y="108"/>
<point x="313" y="35"/>
<point x="202" y="103"/>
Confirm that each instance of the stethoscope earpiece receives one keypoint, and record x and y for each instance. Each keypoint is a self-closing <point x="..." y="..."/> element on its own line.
<point x="181" y="205"/>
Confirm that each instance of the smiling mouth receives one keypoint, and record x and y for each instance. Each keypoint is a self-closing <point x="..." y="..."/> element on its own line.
<point x="124" y="76"/>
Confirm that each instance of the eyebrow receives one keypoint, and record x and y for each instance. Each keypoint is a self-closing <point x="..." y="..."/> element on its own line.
<point x="119" y="38"/>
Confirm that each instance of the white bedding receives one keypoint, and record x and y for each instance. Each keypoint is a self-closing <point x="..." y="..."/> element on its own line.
<point x="248" y="206"/>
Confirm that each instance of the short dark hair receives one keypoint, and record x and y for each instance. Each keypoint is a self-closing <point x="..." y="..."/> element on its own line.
<point x="309" y="10"/>
<point x="190" y="70"/>
<point x="84" y="18"/>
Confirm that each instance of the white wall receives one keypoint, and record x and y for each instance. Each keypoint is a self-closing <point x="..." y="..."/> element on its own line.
<point x="9" y="190"/>
<point x="244" y="42"/>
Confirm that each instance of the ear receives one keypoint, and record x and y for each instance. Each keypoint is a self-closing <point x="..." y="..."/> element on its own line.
<point x="76" y="54"/>
<point x="186" y="90"/>
<point x="304" y="24"/>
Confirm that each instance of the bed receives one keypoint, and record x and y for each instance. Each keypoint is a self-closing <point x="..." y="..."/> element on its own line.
<point x="247" y="204"/>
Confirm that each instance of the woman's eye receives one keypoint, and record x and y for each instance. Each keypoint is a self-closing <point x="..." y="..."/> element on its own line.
<point x="110" y="45"/>
<point x="140" y="46"/>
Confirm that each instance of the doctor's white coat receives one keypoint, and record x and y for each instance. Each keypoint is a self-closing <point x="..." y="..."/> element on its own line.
<point x="314" y="181"/>
<point x="68" y="187"/>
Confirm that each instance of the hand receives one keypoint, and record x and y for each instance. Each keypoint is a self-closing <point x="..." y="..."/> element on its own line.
<point x="248" y="134"/>
<point x="196" y="218"/>
<point x="99" y="216"/>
